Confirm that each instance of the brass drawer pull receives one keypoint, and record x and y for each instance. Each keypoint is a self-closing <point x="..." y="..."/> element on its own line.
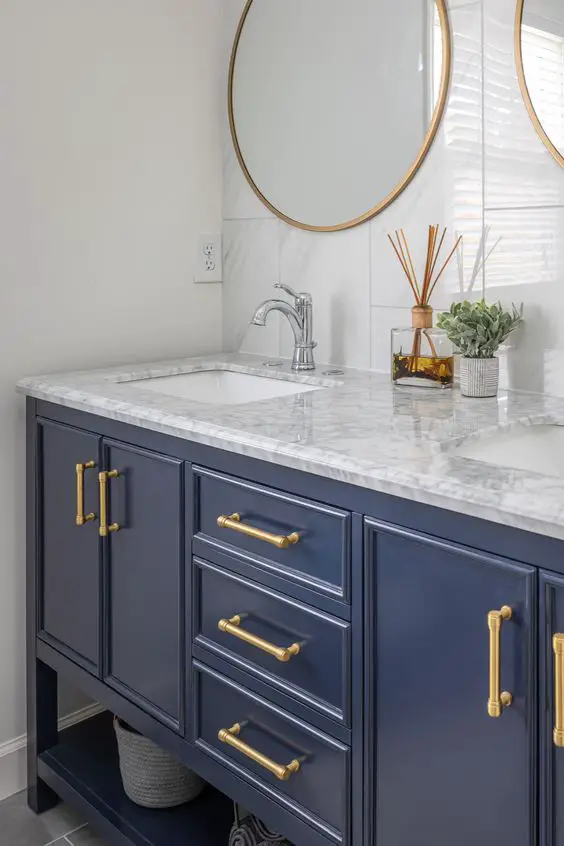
<point x="104" y="528"/>
<point x="282" y="654"/>
<point x="81" y="517"/>
<point x="498" y="699"/>
<point x="230" y="736"/>
<point x="558" y="648"/>
<point x="233" y="522"/>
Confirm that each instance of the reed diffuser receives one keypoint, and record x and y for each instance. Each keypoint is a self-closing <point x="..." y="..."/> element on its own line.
<point x="422" y="356"/>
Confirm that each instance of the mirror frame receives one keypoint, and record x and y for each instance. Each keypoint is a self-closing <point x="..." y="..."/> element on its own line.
<point x="526" y="94"/>
<point x="436" y="119"/>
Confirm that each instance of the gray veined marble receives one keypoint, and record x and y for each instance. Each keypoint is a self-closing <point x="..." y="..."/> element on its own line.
<point x="358" y="430"/>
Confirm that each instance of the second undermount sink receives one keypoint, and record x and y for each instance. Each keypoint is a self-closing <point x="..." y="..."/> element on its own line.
<point x="537" y="449"/>
<point x="224" y="387"/>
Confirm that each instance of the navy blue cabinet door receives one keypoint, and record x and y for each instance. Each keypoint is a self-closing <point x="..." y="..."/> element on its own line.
<point x="551" y="686"/>
<point x="145" y="579"/>
<point x="69" y="554"/>
<point x="444" y="771"/>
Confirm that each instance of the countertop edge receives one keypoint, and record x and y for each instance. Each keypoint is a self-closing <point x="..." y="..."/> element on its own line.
<point x="236" y="442"/>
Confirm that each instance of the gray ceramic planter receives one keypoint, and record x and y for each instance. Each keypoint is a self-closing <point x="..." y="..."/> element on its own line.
<point x="479" y="377"/>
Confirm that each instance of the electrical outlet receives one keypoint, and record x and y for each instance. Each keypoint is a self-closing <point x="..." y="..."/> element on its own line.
<point x="209" y="260"/>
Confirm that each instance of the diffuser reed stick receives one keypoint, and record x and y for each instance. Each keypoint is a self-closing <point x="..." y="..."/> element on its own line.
<point x="423" y="292"/>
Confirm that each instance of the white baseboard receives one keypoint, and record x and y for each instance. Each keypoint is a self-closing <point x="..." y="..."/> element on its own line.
<point x="13" y="775"/>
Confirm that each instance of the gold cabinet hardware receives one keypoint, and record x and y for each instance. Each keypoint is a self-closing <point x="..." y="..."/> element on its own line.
<point x="104" y="528"/>
<point x="558" y="649"/>
<point x="281" y="653"/>
<point x="231" y="737"/>
<point x="233" y="522"/>
<point x="81" y="517"/>
<point x="498" y="699"/>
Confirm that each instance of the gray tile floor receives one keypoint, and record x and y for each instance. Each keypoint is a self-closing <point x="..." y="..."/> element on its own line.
<point x="61" y="826"/>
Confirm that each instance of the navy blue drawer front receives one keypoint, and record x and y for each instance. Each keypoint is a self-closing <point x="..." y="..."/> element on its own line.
<point x="318" y="791"/>
<point x="318" y="675"/>
<point x="320" y="559"/>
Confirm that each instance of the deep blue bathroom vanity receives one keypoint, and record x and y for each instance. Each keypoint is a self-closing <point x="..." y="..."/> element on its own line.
<point x="353" y="667"/>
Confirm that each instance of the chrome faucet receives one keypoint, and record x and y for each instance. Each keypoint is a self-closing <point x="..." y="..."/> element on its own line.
<point x="300" y="317"/>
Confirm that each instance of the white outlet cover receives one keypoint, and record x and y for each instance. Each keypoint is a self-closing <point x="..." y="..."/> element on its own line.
<point x="209" y="259"/>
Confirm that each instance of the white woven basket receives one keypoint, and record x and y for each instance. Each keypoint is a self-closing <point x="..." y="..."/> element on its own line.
<point x="151" y="777"/>
<point x="479" y="377"/>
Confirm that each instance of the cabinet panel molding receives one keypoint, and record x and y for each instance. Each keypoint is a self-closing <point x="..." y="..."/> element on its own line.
<point x="69" y="556"/>
<point x="435" y="752"/>
<point x="145" y="573"/>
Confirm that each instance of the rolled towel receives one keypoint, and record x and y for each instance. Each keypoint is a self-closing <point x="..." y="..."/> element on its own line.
<point x="244" y="834"/>
<point x="253" y="832"/>
<point x="268" y="837"/>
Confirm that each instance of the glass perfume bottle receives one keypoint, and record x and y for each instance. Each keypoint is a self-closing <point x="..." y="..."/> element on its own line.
<point x="421" y="355"/>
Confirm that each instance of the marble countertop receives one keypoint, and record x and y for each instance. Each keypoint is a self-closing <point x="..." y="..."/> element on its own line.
<point x="360" y="430"/>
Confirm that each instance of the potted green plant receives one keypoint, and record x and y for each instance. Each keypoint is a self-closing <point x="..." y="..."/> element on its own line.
<point x="477" y="330"/>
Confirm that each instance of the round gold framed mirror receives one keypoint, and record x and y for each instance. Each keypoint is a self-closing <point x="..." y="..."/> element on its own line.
<point x="539" y="52"/>
<point x="334" y="106"/>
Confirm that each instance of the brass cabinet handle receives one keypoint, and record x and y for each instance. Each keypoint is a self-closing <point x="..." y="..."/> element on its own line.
<point x="282" y="654"/>
<point x="230" y="736"/>
<point x="498" y="699"/>
<point x="104" y="528"/>
<point x="81" y="517"/>
<point x="558" y="649"/>
<point x="234" y="522"/>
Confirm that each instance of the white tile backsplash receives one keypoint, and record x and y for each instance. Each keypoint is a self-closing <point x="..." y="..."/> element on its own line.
<point x="383" y="320"/>
<point x="239" y="200"/>
<point x="251" y="265"/>
<point x="528" y="267"/>
<point x="487" y="168"/>
<point x="335" y="268"/>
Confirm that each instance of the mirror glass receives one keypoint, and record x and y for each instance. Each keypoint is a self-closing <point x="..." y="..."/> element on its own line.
<point x="333" y="104"/>
<point x="541" y="54"/>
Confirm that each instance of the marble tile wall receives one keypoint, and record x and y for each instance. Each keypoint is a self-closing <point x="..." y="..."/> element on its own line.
<point x="487" y="176"/>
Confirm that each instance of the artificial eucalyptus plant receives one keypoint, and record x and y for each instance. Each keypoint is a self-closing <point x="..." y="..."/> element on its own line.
<point x="477" y="329"/>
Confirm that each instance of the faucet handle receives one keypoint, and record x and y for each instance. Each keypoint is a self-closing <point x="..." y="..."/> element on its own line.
<point x="287" y="290"/>
<point x="299" y="298"/>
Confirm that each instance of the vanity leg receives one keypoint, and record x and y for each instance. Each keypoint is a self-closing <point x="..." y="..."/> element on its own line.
<point x="42" y="731"/>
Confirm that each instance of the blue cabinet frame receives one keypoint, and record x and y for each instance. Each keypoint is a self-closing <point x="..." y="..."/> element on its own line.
<point x="385" y="551"/>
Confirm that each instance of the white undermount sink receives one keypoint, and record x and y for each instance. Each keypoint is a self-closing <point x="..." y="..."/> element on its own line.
<point x="538" y="449"/>
<point x="224" y="387"/>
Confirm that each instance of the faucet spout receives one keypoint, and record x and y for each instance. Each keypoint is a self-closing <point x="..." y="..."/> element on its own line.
<point x="294" y="319"/>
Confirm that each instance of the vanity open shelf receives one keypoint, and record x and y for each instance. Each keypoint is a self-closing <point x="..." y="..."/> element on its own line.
<point x="83" y="769"/>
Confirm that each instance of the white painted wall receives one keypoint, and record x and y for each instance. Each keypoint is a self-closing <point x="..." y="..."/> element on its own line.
<point x="110" y="165"/>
